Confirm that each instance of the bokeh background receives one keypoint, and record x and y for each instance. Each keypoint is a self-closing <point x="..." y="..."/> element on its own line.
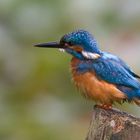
<point x="37" y="98"/>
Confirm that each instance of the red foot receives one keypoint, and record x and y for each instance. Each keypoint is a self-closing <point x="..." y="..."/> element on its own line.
<point x="104" y="106"/>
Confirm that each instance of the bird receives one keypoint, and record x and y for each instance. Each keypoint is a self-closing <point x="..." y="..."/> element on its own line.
<point x="100" y="76"/>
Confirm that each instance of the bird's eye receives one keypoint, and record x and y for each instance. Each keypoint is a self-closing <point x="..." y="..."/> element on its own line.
<point x="66" y="44"/>
<point x="70" y="44"/>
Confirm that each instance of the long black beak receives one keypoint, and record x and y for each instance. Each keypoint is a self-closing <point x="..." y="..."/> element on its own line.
<point x="49" y="45"/>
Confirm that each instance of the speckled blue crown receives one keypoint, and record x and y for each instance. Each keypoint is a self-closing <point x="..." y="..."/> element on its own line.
<point x="82" y="38"/>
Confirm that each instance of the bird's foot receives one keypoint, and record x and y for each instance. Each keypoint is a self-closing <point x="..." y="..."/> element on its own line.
<point x="104" y="106"/>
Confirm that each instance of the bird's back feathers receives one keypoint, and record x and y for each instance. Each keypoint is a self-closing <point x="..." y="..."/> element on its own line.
<point x="94" y="88"/>
<point x="113" y="70"/>
<point x="110" y="56"/>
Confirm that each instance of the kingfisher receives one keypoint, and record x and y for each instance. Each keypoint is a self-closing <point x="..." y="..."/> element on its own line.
<point x="100" y="76"/>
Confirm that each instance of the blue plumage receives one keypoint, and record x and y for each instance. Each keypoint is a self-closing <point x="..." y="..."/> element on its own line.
<point x="114" y="72"/>
<point x="120" y="61"/>
<point x="110" y="70"/>
<point x="83" y="39"/>
<point x="108" y="67"/>
<point x="131" y="93"/>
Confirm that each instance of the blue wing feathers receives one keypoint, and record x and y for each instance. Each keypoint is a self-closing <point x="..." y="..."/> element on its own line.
<point x="110" y="71"/>
<point x="115" y="73"/>
<point x="112" y="57"/>
<point x="113" y="70"/>
<point x="131" y="93"/>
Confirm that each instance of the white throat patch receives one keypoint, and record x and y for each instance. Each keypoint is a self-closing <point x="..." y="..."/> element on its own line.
<point x="62" y="50"/>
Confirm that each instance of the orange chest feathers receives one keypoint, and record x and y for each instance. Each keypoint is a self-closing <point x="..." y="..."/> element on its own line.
<point x="93" y="87"/>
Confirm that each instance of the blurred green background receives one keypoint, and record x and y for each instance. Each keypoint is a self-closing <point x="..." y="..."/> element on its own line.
<point x="37" y="99"/>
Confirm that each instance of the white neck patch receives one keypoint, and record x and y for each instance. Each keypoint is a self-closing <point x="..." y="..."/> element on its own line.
<point x="90" y="55"/>
<point x="87" y="55"/>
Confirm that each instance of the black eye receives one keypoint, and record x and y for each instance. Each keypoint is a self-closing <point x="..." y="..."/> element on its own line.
<point x="66" y="44"/>
<point x="70" y="43"/>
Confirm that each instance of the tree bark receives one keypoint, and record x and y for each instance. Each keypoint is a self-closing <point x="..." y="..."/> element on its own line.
<point x="113" y="125"/>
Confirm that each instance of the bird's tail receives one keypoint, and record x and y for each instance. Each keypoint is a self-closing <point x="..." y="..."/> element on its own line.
<point x="136" y="97"/>
<point x="133" y="95"/>
<point x="137" y="101"/>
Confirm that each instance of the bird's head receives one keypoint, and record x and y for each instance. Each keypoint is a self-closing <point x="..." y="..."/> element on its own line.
<point x="81" y="44"/>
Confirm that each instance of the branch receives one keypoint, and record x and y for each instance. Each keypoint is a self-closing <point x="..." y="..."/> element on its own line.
<point x="113" y="125"/>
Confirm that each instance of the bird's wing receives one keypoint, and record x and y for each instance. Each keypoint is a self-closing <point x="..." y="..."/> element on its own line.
<point x="114" y="72"/>
<point x="117" y="59"/>
<point x="128" y="68"/>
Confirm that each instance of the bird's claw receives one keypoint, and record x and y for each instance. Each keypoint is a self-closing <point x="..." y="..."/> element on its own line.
<point x="104" y="106"/>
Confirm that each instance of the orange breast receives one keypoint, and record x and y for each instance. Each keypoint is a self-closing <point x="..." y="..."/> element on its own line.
<point x="94" y="88"/>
